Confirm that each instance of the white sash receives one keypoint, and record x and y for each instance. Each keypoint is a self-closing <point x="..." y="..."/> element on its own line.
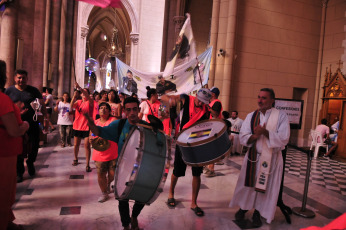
<point x="266" y="155"/>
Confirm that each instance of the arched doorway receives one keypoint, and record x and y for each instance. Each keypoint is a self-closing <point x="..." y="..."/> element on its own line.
<point x="94" y="24"/>
<point x="334" y="105"/>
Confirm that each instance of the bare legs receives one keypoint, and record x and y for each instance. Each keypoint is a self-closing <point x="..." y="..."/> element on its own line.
<point x="87" y="151"/>
<point x="77" y="141"/>
<point x="196" y="184"/>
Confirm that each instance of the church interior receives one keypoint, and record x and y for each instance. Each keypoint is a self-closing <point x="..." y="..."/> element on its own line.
<point x="295" y="47"/>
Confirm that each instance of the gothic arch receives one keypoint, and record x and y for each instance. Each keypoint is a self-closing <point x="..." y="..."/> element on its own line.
<point x="84" y="11"/>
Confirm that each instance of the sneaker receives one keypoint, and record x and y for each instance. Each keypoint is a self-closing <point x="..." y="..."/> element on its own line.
<point x="325" y="156"/>
<point x="240" y="214"/>
<point x="103" y="198"/>
<point x="256" y="219"/>
<point x="210" y="174"/>
<point x="31" y="168"/>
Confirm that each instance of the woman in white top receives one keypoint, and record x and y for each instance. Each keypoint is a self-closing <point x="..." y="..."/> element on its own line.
<point x="65" y="119"/>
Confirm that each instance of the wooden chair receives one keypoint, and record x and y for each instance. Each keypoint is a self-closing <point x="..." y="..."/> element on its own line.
<point x="317" y="142"/>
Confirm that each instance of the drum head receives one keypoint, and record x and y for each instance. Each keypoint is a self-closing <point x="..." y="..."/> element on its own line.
<point x="128" y="162"/>
<point x="201" y="132"/>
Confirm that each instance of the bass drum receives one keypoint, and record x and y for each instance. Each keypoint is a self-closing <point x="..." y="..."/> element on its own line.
<point x="143" y="165"/>
<point x="204" y="143"/>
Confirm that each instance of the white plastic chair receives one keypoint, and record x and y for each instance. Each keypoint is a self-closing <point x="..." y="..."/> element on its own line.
<point x="317" y="142"/>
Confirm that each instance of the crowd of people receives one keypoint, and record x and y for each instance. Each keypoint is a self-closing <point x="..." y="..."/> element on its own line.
<point x="106" y="118"/>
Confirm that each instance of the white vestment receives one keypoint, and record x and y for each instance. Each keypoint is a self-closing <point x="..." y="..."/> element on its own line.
<point x="246" y="197"/>
<point x="236" y="126"/>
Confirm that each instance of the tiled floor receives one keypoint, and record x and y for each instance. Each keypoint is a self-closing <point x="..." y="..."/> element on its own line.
<point x="328" y="173"/>
<point x="62" y="196"/>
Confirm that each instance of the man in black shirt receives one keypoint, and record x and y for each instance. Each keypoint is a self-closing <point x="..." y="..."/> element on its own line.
<point x="164" y="86"/>
<point x="24" y="94"/>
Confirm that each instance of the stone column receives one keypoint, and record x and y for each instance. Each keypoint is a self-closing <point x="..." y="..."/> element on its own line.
<point x="81" y="61"/>
<point x="54" y="39"/>
<point x="318" y="90"/>
<point x="229" y="55"/>
<point x="46" y="45"/>
<point x="178" y="24"/>
<point x="134" y="49"/>
<point x="213" y="40"/>
<point x="38" y="49"/>
<point x="8" y="40"/>
<point x="62" y="48"/>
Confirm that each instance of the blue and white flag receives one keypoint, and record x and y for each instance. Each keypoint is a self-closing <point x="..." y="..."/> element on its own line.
<point x="185" y="78"/>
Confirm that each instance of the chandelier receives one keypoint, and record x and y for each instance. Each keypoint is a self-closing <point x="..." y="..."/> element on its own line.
<point x="114" y="49"/>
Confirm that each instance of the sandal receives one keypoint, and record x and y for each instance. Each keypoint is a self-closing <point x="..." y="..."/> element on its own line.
<point x="198" y="211"/>
<point x="88" y="169"/>
<point x="171" y="202"/>
<point x="75" y="162"/>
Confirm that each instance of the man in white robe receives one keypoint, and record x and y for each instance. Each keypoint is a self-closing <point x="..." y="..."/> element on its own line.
<point x="276" y="139"/>
<point x="236" y="126"/>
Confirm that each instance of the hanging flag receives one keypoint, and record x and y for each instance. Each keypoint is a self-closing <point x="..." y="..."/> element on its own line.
<point x="184" y="49"/>
<point x="185" y="78"/>
<point x="103" y="3"/>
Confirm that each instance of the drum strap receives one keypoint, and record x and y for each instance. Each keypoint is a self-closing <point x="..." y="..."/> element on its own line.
<point x="121" y="125"/>
<point x="250" y="177"/>
<point x="194" y="116"/>
<point x="150" y="110"/>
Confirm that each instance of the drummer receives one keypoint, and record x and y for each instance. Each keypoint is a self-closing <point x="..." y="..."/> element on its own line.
<point x="117" y="131"/>
<point x="194" y="109"/>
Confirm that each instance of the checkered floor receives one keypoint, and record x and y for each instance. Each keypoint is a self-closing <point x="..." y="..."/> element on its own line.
<point x="328" y="173"/>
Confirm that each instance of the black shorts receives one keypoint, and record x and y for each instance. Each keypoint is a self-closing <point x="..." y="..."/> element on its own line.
<point x="50" y="111"/>
<point x="180" y="166"/>
<point x="80" y="134"/>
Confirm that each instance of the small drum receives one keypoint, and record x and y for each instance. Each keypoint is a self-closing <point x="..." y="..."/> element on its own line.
<point x="142" y="166"/>
<point x="204" y="143"/>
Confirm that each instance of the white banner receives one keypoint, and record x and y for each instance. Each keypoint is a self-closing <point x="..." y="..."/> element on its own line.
<point x="186" y="78"/>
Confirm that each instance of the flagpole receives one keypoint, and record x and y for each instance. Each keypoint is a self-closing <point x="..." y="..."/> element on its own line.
<point x="199" y="73"/>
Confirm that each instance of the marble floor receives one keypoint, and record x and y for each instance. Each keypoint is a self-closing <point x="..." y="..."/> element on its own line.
<point x="62" y="196"/>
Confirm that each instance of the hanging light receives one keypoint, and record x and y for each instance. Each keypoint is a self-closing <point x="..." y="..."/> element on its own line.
<point x="115" y="49"/>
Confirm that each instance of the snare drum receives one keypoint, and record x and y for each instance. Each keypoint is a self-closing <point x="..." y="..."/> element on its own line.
<point x="142" y="165"/>
<point x="204" y="143"/>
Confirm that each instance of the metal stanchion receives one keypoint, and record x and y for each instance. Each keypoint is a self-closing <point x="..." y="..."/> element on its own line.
<point x="303" y="211"/>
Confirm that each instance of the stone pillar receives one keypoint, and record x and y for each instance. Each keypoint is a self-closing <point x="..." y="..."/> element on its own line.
<point x="54" y="39"/>
<point x="70" y="30"/>
<point x="178" y="24"/>
<point x="127" y="54"/>
<point x="213" y="40"/>
<point x="38" y="49"/>
<point x="8" y="40"/>
<point x="229" y="55"/>
<point x="81" y="59"/>
<point x="134" y="49"/>
<point x="62" y="48"/>
<point x="319" y="79"/>
<point x="46" y="45"/>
